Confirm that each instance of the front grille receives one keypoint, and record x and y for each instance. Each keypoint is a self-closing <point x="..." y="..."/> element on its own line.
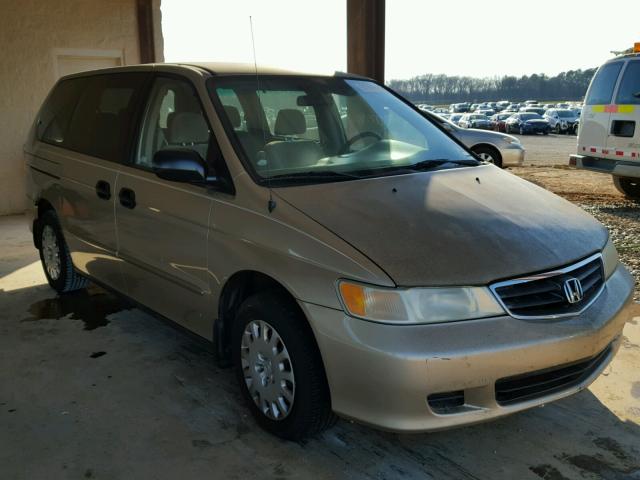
<point x="543" y="295"/>
<point x="540" y="383"/>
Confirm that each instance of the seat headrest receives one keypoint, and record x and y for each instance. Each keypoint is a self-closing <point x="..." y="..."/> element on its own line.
<point x="233" y="115"/>
<point x="290" y="122"/>
<point x="187" y="127"/>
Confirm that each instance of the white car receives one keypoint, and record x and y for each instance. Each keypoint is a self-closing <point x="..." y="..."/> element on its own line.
<point x="562" y="120"/>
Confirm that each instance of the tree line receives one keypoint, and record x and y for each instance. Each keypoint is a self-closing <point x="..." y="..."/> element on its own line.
<point x="441" y="89"/>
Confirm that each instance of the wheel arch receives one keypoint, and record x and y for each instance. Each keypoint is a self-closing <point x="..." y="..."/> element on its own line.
<point x="237" y="288"/>
<point x="495" y="149"/>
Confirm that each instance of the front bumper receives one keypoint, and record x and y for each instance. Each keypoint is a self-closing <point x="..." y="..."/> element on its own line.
<point x="528" y="128"/>
<point x="619" y="168"/>
<point x="381" y="375"/>
<point x="512" y="155"/>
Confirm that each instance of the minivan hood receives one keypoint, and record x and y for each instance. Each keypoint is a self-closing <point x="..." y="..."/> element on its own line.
<point x="462" y="226"/>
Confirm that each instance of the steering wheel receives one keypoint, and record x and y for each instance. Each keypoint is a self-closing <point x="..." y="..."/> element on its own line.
<point x="359" y="136"/>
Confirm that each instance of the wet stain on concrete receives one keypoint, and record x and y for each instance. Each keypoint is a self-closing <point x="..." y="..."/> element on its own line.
<point x="97" y="354"/>
<point x="612" y="446"/>
<point x="11" y="410"/>
<point x="91" y="306"/>
<point x="635" y="389"/>
<point x="600" y="467"/>
<point x="547" y="472"/>
<point x="201" y="443"/>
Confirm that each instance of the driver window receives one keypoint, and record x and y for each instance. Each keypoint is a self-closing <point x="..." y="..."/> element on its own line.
<point x="174" y="119"/>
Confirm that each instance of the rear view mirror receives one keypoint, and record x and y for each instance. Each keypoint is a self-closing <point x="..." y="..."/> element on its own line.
<point x="180" y="165"/>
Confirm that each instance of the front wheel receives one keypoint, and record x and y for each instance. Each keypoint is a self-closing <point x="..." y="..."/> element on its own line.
<point x="629" y="187"/>
<point x="55" y="257"/>
<point x="279" y="367"/>
<point x="488" y="154"/>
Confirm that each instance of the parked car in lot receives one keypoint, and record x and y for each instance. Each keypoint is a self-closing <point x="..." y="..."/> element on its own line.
<point x="455" y="118"/>
<point x="609" y="133"/>
<point x="526" y="122"/>
<point x="475" y="120"/>
<point x="459" y="108"/>
<point x="501" y="150"/>
<point x="487" y="112"/>
<point x="561" y="120"/>
<point x="533" y="109"/>
<point x="498" y="121"/>
<point x="383" y="274"/>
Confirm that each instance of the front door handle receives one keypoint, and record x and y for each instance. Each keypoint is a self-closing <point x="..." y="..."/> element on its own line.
<point x="127" y="198"/>
<point x="103" y="190"/>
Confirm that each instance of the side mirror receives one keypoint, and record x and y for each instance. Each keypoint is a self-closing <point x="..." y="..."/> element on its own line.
<point x="180" y="165"/>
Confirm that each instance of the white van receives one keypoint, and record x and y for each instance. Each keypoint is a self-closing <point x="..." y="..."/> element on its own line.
<point x="609" y="134"/>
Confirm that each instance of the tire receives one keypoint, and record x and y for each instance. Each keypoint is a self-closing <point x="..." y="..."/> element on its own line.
<point x="558" y="129"/>
<point x="521" y="131"/>
<point x="488" y="154"/>
<point x="55" y="258"/>
<point x="304" y="402"/>
<point x="629" y="187"/>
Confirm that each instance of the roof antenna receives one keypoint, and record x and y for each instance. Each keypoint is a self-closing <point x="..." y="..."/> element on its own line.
<point x="271" y="205"/>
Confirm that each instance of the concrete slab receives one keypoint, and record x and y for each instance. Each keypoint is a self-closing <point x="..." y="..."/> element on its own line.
<point x="92" y="388"/>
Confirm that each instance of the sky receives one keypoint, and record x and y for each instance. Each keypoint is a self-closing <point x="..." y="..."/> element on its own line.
<point x="455" y="37"/>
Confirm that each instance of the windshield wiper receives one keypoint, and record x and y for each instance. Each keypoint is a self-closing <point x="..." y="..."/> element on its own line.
<point x="436" y="162"/>
<point x="325" y="175"/>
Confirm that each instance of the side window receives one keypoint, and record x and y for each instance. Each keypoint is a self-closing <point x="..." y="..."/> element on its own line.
<point x="173" y="119"/>
<point x="629" y="91"/>
<point x="103" y="119"/>
<point x="601" y="89"/>
<point x="56" y="113"/>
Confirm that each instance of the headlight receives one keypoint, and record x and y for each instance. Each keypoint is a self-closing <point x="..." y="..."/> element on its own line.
<point x="609" y="258"/>
<point x="512" y="141"/>
<point x="417" y="305"/>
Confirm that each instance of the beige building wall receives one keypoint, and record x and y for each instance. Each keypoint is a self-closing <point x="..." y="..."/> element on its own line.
<point x="42" y="39"/>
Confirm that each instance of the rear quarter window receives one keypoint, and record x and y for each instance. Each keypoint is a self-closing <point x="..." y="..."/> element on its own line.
<point x="629" y="90"/>
<point x="103" y="120"/>
<point x="55" y="114"/>
<point x="602" y="85"/>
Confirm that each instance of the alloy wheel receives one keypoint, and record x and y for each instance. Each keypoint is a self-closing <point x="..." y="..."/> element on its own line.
<point x="486" y="157"/>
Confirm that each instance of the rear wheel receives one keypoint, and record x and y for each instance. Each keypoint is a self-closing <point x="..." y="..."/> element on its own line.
<point x="279" y="367"/>
<point x="488" y="154"/>
<point x="55" y="257"/>
<point x="629" y="187"/>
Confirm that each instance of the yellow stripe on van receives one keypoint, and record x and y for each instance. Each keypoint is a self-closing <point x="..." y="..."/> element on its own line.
<point x="626" y="108"/>
<point x="613" y="108"/>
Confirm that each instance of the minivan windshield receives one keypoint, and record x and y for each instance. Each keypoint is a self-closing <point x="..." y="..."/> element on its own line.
<point x="304" y="129"/>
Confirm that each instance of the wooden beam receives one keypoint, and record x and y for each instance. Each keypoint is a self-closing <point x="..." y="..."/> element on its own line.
<point x="365" y="38"/>
<point x="144" y="12"/>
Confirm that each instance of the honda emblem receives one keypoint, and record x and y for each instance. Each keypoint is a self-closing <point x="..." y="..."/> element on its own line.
<point x="573" y="290"/>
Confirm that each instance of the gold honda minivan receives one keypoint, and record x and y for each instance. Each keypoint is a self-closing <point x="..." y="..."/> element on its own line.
<point x="343" y="252"/>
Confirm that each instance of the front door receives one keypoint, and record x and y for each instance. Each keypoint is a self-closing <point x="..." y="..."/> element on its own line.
<point x="162" y="226"/>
